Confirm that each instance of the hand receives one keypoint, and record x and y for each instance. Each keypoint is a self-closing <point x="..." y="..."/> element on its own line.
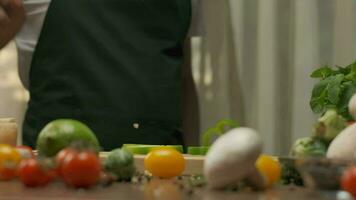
<point x="12" y="16"/>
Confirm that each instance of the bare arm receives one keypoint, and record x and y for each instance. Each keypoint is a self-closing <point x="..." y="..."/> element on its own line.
<point x="12" y="16"/>
<point x="191" y="123"/>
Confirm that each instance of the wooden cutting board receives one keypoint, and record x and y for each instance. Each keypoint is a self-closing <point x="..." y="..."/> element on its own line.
<point x="194" y="164"/>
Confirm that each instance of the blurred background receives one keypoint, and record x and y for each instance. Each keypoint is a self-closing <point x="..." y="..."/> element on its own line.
<point x="252" y="61"/>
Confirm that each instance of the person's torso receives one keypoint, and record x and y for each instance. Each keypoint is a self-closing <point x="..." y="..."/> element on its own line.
<point x="26" y="39"/>
<point x="110" y="64"/>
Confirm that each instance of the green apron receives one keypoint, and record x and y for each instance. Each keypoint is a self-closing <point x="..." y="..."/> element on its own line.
<point x="112" y="64"/>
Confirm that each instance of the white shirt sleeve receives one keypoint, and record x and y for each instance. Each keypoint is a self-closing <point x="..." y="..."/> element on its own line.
<point x="26" y="39"/>
<point x="196" y="26"/>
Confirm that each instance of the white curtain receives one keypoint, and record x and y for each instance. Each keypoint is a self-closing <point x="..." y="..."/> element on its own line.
<point x="253" y="63"/>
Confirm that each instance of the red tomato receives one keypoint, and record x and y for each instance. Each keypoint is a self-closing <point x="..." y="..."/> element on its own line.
<point x="61" y="156"/>
<point x="80" y="169"/>
<point x="348" y="180"/>
<point x="25" y="152"/>
<point x="32" y="174"/>
<point x="8" y="174"/>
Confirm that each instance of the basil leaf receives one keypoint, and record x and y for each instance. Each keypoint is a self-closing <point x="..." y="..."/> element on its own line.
<point x="322" y="72"/>
<point x="318" y="103"/>
<point x="320" y="87"/>
<point x="334" y="88"/>
<point x="349" y="91"/>
<point x="352" y="67"/>
<point x="344" y="70"/>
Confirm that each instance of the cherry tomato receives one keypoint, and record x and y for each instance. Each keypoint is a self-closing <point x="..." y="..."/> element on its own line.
<point x="164" y="162"/>
<point x="269" y="168"/>
<point x="32" y="174"/>
<point x="80" y="169"/>
<point x="25" y="152"/>
<point x="9" y="160"/>
<point x="348" y="180"/>
<point x="61" y="156"/>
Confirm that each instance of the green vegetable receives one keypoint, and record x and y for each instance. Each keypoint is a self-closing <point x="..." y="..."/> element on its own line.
<point x="308" y="147"/>
<point x="334" y="90"/>
<point x="144" y="149"/>
<point x="61" y="133"/>
<point x="290" y="175"/>
<point x="202" y="150"/>
<point x="329" y="126"/>
<point x="121" y="163"/>
<point x="218" y="130"/>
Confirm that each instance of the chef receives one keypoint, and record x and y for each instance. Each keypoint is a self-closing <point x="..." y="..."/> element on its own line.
<point x="113" y="64"/>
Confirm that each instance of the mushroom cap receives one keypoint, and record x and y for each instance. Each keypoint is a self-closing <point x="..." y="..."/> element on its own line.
<point x="343" y="146"/>
<point x="232" y="157"/>
<point x="352" y="106"/>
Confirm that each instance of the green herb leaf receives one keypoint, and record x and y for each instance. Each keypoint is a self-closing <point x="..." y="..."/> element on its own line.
<point x="351" y="76"/>
<point x="352" y="67"/>
<point x="319" y="88"/>
<point x="319" y="95"/>
<point x="317" y="105"/>
<point x="343" y="70"/>
<point x="218" y="130"/>
<point x="322" y="72"/>
<point x="334" y="88"/>
<point x="349" y="91"/>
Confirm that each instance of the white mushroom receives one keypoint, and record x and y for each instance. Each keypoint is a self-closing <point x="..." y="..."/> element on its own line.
<point x="352" y="106"/>
<point x="232" y="157"/>
<point x="344" y="145"/>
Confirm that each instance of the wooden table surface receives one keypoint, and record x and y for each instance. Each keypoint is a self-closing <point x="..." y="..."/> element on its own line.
<point x="154" y="190"/>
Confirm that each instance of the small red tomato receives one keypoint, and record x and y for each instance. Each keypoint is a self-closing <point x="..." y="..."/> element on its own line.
<point x="61" y="156"/>
<point x="348" y="180"/>
<point x="80" y="169"/>
<point x="32" y="174"/>
<point x="25" y="152"/>
<point x="8" y="174"/>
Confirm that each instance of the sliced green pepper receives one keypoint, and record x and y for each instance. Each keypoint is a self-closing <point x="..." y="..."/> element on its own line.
<point x="199" y="151"/>
<point x="144" y="149"/>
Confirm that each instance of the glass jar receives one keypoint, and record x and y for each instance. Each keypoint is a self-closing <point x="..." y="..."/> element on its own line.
<point x="8" y="131"/>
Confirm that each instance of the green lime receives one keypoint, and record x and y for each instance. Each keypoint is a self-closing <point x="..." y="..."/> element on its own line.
<point x="61" y="133"/>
